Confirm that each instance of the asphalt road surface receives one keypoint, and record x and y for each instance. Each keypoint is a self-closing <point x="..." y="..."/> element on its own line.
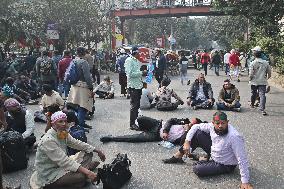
<point x="264" y="138"/>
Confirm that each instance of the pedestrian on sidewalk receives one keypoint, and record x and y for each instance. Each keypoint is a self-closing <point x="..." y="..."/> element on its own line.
<point x="216" y="61"/>
<point x="234" y="62"/>
<point x="205" y="60"/>
<point x="183" y="64"/>
<point x="259" y="73"/>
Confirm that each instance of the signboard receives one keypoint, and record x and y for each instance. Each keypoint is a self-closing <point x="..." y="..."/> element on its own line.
<point x="52" y="31"/>
<point x="144" y="55"/>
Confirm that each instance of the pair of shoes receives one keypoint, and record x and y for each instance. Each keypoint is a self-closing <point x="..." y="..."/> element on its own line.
<point x="194" y="107"/>
<point x="237" y="109"/>
<point x="135" y="127"/>
<point x="106" y="138"/>
<point x="264" y="113"/>
<point x="173" y="160"/>
<point x="188" y="82"/>
<point x="239" y="80"/>
<point x="128" y="97"/>
<point x="87" y="126"/>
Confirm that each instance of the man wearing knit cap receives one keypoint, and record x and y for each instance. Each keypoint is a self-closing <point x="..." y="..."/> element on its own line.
<point x="222" y="142"/>
<point x="54" y="168"/>
<point x="20" y="120"/>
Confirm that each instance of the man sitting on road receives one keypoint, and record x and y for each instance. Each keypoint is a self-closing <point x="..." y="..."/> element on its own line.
<point x="174" y="131"/>
<point x="164" y="97"/>
<point x="50" y="100"/>
<point x="222" y="142"/>
<point x="200" y="94"/>
<point x="229" y="98"/>
<point x="105" y="89"/>
<point x="20" y="120"/>
<point x="53" y="167"/>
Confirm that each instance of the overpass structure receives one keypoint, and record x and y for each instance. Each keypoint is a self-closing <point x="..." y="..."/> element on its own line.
<point x="135" y="9"/>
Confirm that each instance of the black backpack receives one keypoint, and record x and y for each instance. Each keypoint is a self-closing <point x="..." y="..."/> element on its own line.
<point x="13" y="151"/>
<point x="78" y="133"/>
<point x="115" y="174"/>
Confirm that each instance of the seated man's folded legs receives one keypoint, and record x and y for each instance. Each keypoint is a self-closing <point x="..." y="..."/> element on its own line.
<point x="210" y="168"/>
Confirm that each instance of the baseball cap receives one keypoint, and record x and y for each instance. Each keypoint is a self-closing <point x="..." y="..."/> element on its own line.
<point x="257" y="48"/>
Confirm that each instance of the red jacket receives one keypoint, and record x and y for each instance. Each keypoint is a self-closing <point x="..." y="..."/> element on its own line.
<point x="62" y="67"/>
<point x="205" y="58"/>
<point x="234" y="59"/>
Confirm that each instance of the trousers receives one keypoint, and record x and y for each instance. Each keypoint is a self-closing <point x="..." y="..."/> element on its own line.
<point x="207" y="168"/>
<point x="149" y="126"/>
<point x="72" y="180"/>
<point x="258" y="90"/>
<point x="135" y="96"/>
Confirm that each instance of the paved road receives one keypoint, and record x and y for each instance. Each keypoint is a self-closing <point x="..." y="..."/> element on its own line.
<point x="264" y="138"/>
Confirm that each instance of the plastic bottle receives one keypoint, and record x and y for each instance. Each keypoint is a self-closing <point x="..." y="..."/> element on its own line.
<point x="166" y="144"/>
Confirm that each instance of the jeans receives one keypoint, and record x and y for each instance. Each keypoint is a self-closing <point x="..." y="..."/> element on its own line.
<point x="222" y="106"/>
<point x="258" y="89"/>
<point x="159" y="77"/>
<point x="96" y="76"/>
<point x="217" y="67"/>
<point x="227" y="68"/>
<point x="66" y="87"/>
<point x="207" y="168"/>
<point x="205" y="104"/>
<point x="81" y="116"/>
<point x="149" y="126"/>
<point x="135" y="96"/>
<point x="103" y="94"/>
<point x="183" y="76"/>
<point x="204" y="65"/>
<point x="123" y="83"/>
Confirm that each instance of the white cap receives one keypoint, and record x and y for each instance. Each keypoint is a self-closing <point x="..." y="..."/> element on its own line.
<point x="57" y="116"/>
<point x="257" y="48"/>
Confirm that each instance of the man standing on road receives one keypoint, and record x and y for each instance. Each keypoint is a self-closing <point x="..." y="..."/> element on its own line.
<point x="259" y="73"/>
<point x="205" y="60"/>
<point x="134" y="84"/>
<point x="62" y="67"/>
<point x="46" y="69"/>
<point x="160" y="66"/>
<point x="234" y="62"/>
<point x="81" y="93"/>
<point x="222" y="142"/>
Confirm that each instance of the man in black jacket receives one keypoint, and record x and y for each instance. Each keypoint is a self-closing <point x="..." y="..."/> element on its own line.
<point x="200" y="94"/>
<point x="161" y="63"/>
<point x="174" y="130"/>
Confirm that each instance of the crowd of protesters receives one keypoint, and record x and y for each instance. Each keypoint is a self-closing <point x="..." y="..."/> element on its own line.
<point x="46" y="76"/>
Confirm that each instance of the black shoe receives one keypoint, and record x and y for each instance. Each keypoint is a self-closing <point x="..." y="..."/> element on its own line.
<point x="135" y="127"/>
<point x="188" y="82"/>
<point x="239" y="80"/>
<point x="264" y="113"/>
<point x="173" y="160"/>
<point x="87" y="126"/>
<point x="88" y="117"/>
<point x="106" y="138"/>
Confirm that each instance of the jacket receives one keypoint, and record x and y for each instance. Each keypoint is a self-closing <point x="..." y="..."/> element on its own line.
<point x="207" y="89"/>
<point x="259" y="72"/>
<point x="234" y="93"/>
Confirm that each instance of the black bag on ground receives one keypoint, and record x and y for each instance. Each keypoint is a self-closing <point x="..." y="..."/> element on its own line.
<point x="13" y="151"/>
<point x="115" y="174"/>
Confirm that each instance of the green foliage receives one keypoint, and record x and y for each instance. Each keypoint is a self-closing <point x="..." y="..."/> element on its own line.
<point x="264" y="14"/>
